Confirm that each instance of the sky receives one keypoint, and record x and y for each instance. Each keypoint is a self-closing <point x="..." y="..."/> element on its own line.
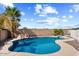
<point x="46" y="15"/>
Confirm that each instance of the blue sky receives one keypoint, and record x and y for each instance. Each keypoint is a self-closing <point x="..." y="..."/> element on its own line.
<point x="46" y="15"/>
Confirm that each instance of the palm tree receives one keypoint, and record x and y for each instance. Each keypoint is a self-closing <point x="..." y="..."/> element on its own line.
<point x="14" y="13"/>
<point x="1" y="23"/>
<point x="5" y="23"/>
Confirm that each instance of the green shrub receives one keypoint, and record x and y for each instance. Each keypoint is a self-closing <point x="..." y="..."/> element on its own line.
<point x="58" y="32"/>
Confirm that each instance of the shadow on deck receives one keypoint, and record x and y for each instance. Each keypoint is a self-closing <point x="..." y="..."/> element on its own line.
<point x="74" y="43"/>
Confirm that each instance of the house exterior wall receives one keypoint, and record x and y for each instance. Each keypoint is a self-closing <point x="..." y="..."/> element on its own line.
<point x="3" y="35"/>
<point x="78" y="34"/>
<point x="74" y="33"/>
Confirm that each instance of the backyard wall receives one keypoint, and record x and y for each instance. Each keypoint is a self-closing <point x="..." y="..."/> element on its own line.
<point x="42" y="32"/>
<point x="45" y="32"/>
<point x="74" y="33"/>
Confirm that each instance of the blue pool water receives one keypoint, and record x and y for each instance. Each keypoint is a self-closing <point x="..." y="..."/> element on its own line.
<point x="37" y="45"/>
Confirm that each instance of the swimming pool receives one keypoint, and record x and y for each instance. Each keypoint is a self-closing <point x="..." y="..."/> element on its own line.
<point x="37" y="45"/>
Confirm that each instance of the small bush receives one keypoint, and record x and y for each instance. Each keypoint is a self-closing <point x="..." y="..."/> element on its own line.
<point x="58" y="32"/>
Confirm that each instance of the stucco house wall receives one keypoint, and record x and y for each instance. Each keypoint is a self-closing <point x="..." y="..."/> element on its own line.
<point x="4" y="35"/>
<point x="74" y="33"/>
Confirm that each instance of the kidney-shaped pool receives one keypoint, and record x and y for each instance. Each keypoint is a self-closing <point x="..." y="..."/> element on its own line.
<point x="37" y="45"/>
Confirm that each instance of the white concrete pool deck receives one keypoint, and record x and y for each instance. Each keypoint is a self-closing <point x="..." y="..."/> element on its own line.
<point x="66" y="50"/>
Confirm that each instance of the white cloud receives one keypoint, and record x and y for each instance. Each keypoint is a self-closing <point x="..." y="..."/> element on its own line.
<point x="56" y="24"/>
<point x="49" y="20"/>
<point x="42" y="15"/>
<point x="67" y="17"/>
<point x="70" y="16"/>
<point x="22" y="13"/>
<point x="53" y="20"/>
<point x="31" y="20"/>
<point x="25" y="19"/>
<point x="64" y="16"/>
<point x="65" y="20"/>
<point x="76" y="7"/>
<point x="5" y="4"/>
<point x="43" y="10"/>
<point x="71" y="10"/>
<point x="50" y="9"/>
<point x="38" y="8"/>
